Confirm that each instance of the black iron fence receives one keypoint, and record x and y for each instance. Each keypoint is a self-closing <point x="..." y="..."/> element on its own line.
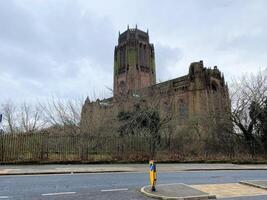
<point x="64" y="148"/>
<point x="83" y="148"/>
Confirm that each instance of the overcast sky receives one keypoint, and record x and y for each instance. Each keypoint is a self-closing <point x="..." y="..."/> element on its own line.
<point x="64" y="48"/>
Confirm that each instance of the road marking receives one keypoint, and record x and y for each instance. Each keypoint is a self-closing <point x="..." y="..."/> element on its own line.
<point x="115" y="190"/>
<point x="4" y="197"/>
<point x="58" y="193"/>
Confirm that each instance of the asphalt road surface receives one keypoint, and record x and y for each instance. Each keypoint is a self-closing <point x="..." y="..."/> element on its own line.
<point x="117" y="186"/>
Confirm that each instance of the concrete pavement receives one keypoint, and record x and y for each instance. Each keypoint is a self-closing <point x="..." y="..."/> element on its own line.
<point x="101" y="168"/>
<point x="207" y="191"/>
<point x="178" y="191"/>
<point x="256" y="183"/>
<point x="230" y="190"/>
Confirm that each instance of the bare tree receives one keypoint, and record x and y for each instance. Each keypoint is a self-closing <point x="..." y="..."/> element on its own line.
<point x="24" y="118"/>
<point x="60" y="113"/>
<point x="245" y="92"/>
<point x="149" y="115"/>
<point x="31" y="118"/>
<point x="10" y="124"/>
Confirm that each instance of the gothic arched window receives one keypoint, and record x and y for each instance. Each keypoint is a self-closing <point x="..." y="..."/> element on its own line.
<point x="183" y="110"/>
<point x="214" y="87"/>
<point x="122" y="87"/>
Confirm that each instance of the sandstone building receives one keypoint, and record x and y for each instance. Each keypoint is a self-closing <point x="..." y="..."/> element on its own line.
<point x="203" y="90"/>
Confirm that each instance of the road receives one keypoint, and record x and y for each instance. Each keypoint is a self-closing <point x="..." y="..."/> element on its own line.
<point x="117" y="186"/>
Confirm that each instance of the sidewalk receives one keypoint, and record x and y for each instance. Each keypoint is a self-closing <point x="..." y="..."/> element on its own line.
<point x="178" y="191"/>
<point x="104" y="168"/>
<point x="207" y="191"/>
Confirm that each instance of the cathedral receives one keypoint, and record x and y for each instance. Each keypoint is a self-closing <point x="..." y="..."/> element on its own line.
<point x="203" y="90"/>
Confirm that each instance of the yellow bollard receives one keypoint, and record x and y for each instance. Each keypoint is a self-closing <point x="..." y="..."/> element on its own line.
<point x="153" y="175"/>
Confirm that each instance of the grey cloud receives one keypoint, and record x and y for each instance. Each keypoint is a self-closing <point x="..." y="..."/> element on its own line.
<point x="41" y="51"/>
<point x="246" y="42"/>
<point x="17" y="26"/>
<point x="60" y="31"/>
<point x="166" y="60"/>
<point x="66" y="47"/>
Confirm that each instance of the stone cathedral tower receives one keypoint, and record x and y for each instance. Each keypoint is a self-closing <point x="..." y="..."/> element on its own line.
<point x="134" y="62"/>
